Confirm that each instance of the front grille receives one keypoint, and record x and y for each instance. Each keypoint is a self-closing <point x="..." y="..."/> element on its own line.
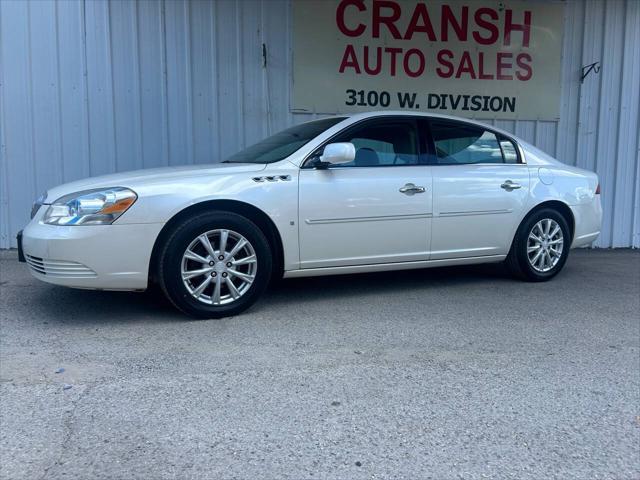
<point x="59" y="268"/>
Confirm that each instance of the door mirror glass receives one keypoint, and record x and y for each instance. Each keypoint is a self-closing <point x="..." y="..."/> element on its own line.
<point x="338" y="153"/>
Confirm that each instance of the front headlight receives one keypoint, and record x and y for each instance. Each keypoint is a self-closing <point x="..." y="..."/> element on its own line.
<point x="90" y="207"/>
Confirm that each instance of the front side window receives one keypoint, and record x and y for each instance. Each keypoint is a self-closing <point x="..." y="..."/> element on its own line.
<point x="282" y="144"/>
<point x="382" y="143"/>
<point x="467" y="144"/>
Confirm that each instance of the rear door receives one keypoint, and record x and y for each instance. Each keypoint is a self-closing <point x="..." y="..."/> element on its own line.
<point x="480" y="188"/>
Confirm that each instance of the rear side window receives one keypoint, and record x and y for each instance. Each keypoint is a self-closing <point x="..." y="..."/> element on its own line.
<point x="382" y="144"/>
<point x="466" y="144"/>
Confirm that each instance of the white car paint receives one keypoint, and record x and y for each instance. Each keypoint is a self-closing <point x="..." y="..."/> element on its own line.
<point x="340" y="220"/>
<point x="473" y="215"/>
<point x="362" y="217"/>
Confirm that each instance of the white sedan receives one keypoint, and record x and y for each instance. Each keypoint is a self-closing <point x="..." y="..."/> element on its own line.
<point x="362" y="193"/>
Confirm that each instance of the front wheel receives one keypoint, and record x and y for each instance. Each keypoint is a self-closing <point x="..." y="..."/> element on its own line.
<point x="541" y="246"/>
<point x="215" y="265"/>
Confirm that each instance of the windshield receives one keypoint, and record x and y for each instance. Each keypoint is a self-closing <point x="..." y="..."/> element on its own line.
<point x="284" y="143"/>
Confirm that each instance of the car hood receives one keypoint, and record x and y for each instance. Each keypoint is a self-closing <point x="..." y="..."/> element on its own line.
<point x="137" y="178"/>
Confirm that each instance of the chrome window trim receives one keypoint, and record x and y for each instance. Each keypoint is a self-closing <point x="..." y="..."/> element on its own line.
<point x="416" y="118"/>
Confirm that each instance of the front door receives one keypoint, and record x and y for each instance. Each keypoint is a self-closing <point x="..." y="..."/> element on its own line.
<point x="376" y="209"/>
<point x="480" y="188"/>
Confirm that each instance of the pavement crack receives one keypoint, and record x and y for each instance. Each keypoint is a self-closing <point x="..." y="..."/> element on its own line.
<point x="68" y="427"/>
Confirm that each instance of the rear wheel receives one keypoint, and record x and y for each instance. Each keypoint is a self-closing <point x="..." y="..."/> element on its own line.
<point x="541" y="246"/>
<point x="215" y="265"/>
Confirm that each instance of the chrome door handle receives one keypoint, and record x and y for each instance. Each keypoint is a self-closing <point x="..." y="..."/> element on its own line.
<point x="508" y="185"/>
<point x="411" y="189"/>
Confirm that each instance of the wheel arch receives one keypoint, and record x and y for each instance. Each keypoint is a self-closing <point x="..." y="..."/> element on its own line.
<point x="561" y="207"/>
<point x="251" y="212"/>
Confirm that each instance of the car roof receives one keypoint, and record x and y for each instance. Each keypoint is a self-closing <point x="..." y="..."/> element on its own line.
<point x="532" y="154"/>
<point x="395" y="113"/>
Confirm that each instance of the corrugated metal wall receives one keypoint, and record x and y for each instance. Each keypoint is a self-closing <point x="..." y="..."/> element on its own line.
<point x="91" y="87"/>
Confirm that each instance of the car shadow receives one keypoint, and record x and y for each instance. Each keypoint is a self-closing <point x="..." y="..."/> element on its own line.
<point x="69" y="305"/>
<point x="387" y="283"/>
<point x="96" y="307"/>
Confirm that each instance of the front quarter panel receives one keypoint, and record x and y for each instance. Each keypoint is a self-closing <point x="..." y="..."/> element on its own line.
<point x="277" y="197"/>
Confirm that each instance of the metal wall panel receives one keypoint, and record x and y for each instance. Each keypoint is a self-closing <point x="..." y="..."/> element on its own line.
<point x="92" y="87"/>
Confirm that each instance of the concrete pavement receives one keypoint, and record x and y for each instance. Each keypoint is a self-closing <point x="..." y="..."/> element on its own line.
<point x="443" y="373"/>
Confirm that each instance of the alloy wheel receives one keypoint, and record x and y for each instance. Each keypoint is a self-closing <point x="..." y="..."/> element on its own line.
<point x="218" y="267"/>
<point x="545" y="245"/>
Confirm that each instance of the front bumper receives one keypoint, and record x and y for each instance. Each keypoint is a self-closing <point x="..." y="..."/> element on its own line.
<point x="20" y="252"/>
<point x="106" y="257"/>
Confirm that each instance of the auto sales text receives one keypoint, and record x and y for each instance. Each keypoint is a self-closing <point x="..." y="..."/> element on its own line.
<point x="483" y="26"/>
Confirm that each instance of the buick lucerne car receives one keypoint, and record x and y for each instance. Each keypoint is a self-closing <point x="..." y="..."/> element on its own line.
<point x="361" y="193"/>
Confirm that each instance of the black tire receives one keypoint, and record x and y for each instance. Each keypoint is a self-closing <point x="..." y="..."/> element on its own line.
<point x="171" y="257"/>
<point x="518" y="262"/>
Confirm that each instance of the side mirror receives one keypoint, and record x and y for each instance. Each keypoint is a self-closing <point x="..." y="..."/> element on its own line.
<point x="338" y="153"/>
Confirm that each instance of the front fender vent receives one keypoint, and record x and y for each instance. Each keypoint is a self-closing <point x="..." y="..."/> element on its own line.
<point x="272" y="178"/>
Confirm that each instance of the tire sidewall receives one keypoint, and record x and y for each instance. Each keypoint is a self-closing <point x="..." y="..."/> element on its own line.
<point x="521" y="245"/>
<point x="185" y="233"/>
